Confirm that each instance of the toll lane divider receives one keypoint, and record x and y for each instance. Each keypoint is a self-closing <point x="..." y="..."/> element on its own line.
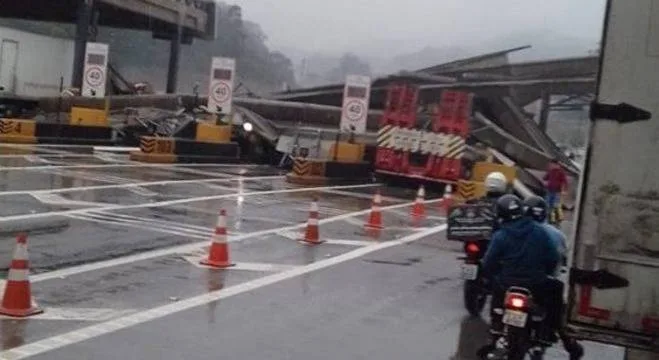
<point x="173" y="150"/>
<point x="37" y="132"/>
<point x="56" y="274"/>
<point x="108" y="327"/>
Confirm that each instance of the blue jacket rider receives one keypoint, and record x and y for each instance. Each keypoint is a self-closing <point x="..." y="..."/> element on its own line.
<point x="520" y="249"/>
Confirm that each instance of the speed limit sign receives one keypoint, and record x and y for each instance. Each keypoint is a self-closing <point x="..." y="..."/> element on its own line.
<point x="94" y="76"/>
<point x="356" y="97"/>
<point x="354" y="110"/>
<point x="220" y="91"/>
<point x="95" y="71"/>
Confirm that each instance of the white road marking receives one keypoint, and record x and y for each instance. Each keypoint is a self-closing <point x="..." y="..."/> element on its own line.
<point x="144" y="227"/>
<point x="101" y="178"/>
<point x="62" y="273"/>
<point x="104" y="328"/>
<point x="156" y="222"/>
<point x="431" y="217"/>
<point x="245" y="266"/>
<point x="140" y="165"/>
<point x="349" y="242"/>
<point x="356" y="222"/>
<point x="168" y="227"/>
<point x="176" y="202"/>
<point x="58" y="156"/>
<point x="78" y="314"/>
<point x="363" y="196"/>
<point x="139" y="184"/>
<point x="54" y="199"/>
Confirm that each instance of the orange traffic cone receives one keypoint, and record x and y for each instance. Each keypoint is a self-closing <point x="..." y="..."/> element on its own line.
<point x="419" y="208"/>
<point x="17" y="299"/>
<point x="218" y="255"/>
<point x="375" y="218"/>
<point x="311" y="235"/>
<point x="447" y="199"/>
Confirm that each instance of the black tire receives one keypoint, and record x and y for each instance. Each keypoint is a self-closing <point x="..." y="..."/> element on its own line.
<point x="474" y="297"/>
<point x="518" y="348"/>
<point x="537" y="356"/>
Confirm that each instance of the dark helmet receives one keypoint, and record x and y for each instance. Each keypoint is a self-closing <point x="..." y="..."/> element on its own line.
<point x="536" y="208"/>
<point x="509" y="208"/>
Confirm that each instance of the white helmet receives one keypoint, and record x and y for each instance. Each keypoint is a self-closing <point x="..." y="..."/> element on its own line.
<point x="496" y="182"/>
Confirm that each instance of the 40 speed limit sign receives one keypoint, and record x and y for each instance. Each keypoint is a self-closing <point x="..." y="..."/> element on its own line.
<point x="220" y="92"/>
<point x="95" y="70"/>
<point x="356" y="97"/>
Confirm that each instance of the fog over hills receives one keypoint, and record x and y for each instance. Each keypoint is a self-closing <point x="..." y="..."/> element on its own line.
<point x="311" y="67"/>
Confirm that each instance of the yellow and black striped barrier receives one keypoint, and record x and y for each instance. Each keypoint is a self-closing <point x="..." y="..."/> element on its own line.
<point x="149" y="145"/>
<point x="18" y="131"/>
<point x="469" y="190"/>
<point x="171" y="150"/>
<point x="317" y="172"/>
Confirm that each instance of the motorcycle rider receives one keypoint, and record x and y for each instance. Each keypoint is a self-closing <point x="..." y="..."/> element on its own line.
<point x="522" y="253"/>
<point x="536" y="208"/>
<point x="496" y="185"/>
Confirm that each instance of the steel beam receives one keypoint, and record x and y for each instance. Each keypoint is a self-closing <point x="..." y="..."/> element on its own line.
<point x="84" y="19"/>
<point x="174" y="55"/>
<point x="545" y="98"/>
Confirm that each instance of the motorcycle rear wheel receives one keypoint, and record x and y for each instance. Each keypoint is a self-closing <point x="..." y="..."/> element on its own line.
<point x="474" y="297"/>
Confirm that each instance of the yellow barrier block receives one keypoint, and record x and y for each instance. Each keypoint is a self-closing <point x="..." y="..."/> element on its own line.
<point x="482" y="169"/>
<point x="157" y="145"/>
<point x="469" y="190"/>
<point x="207" y="132"/>
<point x="88" y="117"/>
<point x="17" y="131"/>
<point x="347" y="152"/>
<point x="305" y="167"/>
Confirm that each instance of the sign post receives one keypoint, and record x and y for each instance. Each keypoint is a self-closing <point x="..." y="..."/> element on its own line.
<point x="220" y="88"/>
<point x="95" y="71"/>
<point x="356" y="97"/>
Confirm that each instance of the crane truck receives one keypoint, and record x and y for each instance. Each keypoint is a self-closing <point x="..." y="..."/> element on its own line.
<point x="613" y="292"/>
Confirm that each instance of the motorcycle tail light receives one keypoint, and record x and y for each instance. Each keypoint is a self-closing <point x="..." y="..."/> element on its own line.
<point x="472" y="248"/>
<point x="516" y="301"/>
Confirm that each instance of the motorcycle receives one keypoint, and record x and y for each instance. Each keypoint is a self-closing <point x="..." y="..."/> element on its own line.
<point x="521" y="318"/>
<point x="475" y="291"/>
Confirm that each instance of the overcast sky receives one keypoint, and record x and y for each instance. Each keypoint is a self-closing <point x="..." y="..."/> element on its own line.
<point x="370" y="26"/>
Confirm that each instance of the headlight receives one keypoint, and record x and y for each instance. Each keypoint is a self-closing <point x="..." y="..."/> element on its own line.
<point x="248" y="126"/>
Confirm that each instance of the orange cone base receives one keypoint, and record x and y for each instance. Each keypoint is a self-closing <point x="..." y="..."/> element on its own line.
<point x="311" y="243"/>
<point x="21" y="312"/>
<point x="217" y="264"/>
<point x="373" y="226"/>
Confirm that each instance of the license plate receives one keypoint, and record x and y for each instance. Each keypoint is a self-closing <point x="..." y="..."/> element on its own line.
<point x="469" y="271"/>
<point x="515" y="318"/>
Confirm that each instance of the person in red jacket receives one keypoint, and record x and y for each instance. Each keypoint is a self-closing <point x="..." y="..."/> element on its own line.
<point x="555" y="183"/>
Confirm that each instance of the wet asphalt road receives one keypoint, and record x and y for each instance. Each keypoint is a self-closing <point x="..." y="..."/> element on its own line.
<point x="114" y="247"/>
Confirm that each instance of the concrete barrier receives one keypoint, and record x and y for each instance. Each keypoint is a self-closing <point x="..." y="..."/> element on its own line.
<point x="175" y="150"/>
<point x="319" y="172"/>
<point x="31" y="132"/>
